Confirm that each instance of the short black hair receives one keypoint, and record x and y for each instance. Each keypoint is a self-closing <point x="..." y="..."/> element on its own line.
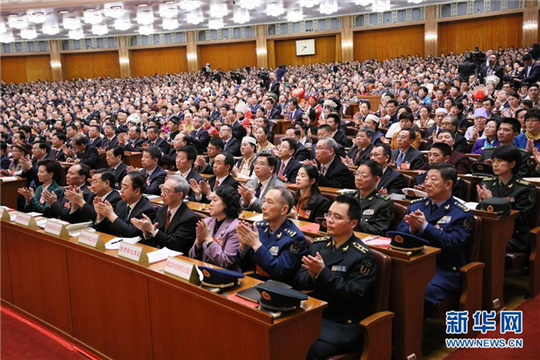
<point x="387" y="150"/>
<point x="354" y="212"/>
<point x="272" y="161"/>
<point x="217" y="142"/>
<point x="51" y="166"/>
<point x="412" y="133"/>
<point x="80" y="139"/>
<point x="533" y="113"/>
<point x="155" y="128"/>
<point x="443" y="131"/>
<point x="447" y="171"/>
<point x="154" y="151"/>
<point x="106" y="175"/>
<point x="84" y="171"/>
<point x="445" y="148"/>
<point x="44" y="146"/>
<point x="190" y="152"/>
<point x="508" y="153"/>
<point x="60" y="136"/>
<point x="334" y="116"/>
<point x="516" y="125"/>
<point x="292" y="143"/>
<point x="231" y="198"/>
<point x="138" y="180"/>
<point x="374" y="167"/>
<point x="229" y="160"/>
<point x="116" y="150"/>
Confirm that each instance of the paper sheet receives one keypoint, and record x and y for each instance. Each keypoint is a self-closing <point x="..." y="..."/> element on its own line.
<point x="161" y="254"/>
<point x="8" y="178"/>
<point x="346" y="191"/>
<point x="151" y="197"/>
<point x="256" y="218"/>
<point x="377" y="240"/>
<point x="114" y="243"/>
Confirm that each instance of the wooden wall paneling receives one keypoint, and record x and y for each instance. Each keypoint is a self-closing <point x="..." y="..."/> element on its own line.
<point x="386" y="44"/>
<point x="6" y="274"/>
<point x="42" y="264"/>
<point x="13" y="69"/>
<point x="339" y="55"/>
<point x="38" y="68"/>
<point x="228" y="56"/>
<point x="158" y="61"/>
<point x="18" y="69"/>
<point x="122" y="330"/>
<point x="91" y="65"/>
<point x="271" y="53"/>
<point x="325" y="51"/>
<point x="460" y="36"/>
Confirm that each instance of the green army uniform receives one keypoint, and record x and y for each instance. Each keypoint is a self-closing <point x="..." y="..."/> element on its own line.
<point x="377" y="213"/>
<point x="525" y="161"/>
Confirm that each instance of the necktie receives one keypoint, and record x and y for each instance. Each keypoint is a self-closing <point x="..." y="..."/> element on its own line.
<point x="216" y="184"/>
<point x="323" y="170"/>
<point x="258" y="191"/>
<point x="126" y="219"/>
<point x="167" y="220"/>
<point x="360" y="151"/>
<point x="400" y="159"/>
<point x="281" y="169"/>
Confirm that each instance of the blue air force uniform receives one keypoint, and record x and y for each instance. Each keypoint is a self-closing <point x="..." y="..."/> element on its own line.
<point x="280" y="255"/>
<point x="344" y="283"/>
<point x="449" y="227"/>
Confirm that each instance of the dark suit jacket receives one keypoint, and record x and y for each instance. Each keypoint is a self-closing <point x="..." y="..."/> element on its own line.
<point x="192" y="175"/>
<point x="461" y="144"/>
<point x="302" y="152"/>
<point x="88" y="213"/>
<point x="90" y="157"/>
<point x="57" y="155"/>
<point x="232" y="147"/>
<point x="122" y="226"/>
<point x="200" y="139"/>
<point x="105" y="142"/>
<point x="180" y="234"/>
<point x="290" y="170"/>
<point x="229" y="180"/>
<point x="274" y="88"/>
<point x="60" y="209"/>
<point x="161" y="144"/>
<point x="432" y="130"/>
<point x="238" y="131"/>
<point x="342" y="139"/>
<point x="337" y="176"/>
<point x="152" y="183"/>
<point x="497" y="71"/>
<point x="134" y="145"/>
<point x="119" y="174"/>
<point x="317" y="206"/>
<point x="415" y="158"/>
<point x="392" y="180"/>
<point x="96" y="143"/>
<point x="353" y="151"/>
<point x="534" y="74"/>
<point x="274" y="113"/>
<point x="169" y="159"/>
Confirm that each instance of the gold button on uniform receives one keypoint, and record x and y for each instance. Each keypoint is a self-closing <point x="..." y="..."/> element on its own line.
<point x="349" y="321"/>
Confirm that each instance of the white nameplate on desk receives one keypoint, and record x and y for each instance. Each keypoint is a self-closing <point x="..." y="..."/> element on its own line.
<point x="57" y="229"/>
<point x="182" y="269"/>
<point x="92" y="239"/>
<point x="26" y="220"/>
<point x="4" y="215"/>
<point x="133" y="252"/>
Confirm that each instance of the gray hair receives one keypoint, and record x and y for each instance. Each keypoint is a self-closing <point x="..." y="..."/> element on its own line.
<point x="369" y="131"/>
<point x="181" y="184"/>
<point x="331" y="143"/>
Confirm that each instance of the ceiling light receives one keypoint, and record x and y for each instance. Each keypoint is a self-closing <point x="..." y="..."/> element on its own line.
<point x="362" y="2"/>
<point x="71" y="22"/>
<point x="36" y="16"/>
<point x="216" y="24"/>
<point x="17" y="22"/>
<point x="145" y="16"/>
<point x="381" y="5"/>
<point x="218" y="10"/>
<point x="146" y="29"/>
<point x="309" y="3"/>
<point x="100" y="29"/>
<point x="195" y="17"/>
<point x="189" y="5"/>
<point x="295" y="15"/>
<point x="3" y="27"/>
<point x="50" y="27"/>
<point x="29" y="33"/>
<point x="274" y="9"/>
<point x="63" y="12"/>
<point x="170" y="24"/>
<point x="250" y="4"/>
<point x="168" y="10"/>
<point x="328" y="7"/>
<point x="415" y="1"/>
<point x="241" y="16"/>
<point x="76" y="34"/>
<point x="114" y="10"/>
<point x="7" y="36"/>
<point x="92" y="16"/>
<point x="122" y="23"/>
<point x="142" y="5"/>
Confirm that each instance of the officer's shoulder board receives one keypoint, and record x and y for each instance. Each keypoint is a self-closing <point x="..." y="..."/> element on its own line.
<point x="290" y="232"/>
<point x="261" y="223"/>
<point x="321" y="239"/>
<point x="523" y="182"/>
<point x="461" y="206"/>
<point x="418" y="200"/>
<point x="361" y="248"/>
<point x="383" y="196"/>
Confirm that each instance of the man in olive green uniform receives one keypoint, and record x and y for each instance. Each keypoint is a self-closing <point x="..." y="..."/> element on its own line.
<point x="377" y="209"/>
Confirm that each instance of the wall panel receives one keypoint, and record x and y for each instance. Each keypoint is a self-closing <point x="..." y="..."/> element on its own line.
<point x="460" y="36"/>
<point x="325" y="51"/>
<point x="158" y="61"/>
<point x="91" y="65"/>
<point x="19" y="69"/>
<point x="389" y="43"/>
<point x="228" y="56"/>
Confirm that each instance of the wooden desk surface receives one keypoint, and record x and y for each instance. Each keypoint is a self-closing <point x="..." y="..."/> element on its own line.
<point x="8" y="191"/>
<point x="119" y="309"/>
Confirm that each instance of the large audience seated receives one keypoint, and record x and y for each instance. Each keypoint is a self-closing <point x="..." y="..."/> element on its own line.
<point x="238" y="143"/>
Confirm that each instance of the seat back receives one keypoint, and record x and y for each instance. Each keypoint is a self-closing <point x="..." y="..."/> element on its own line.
<point x="409" y="180"/>
<point x="272" y="125"/>
<point x="472" y="248"/>
<point x="534" y="216"/>
<point x="378" y="300"/>
<point x="399" y="214"/>
<point x="468" y="190"/>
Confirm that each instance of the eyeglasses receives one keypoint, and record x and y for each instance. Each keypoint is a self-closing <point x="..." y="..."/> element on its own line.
<point x="167" y="191"/>
<point x="531" y="120"/>
<point x="329" y="216"/>
<point x="321" y="148"/>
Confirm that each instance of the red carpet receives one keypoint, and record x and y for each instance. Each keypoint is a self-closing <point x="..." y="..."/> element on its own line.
<point x="530" y="336"/>
<point x="22" y="339"/>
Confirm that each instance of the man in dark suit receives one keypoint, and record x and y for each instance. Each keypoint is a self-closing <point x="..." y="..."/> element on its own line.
<point x="292" y="111"/>
<point x="392" y="181"/>
<point x="115" y="160"/>
<point x="325" y="132"/>
<point x="405" y="156"/>
<point x="333" y="173"/>
<point x="274" y="85"/>
<point x="223" y="165"/>
<point x="184" y="163"/>
<point x="238" y="131"/>
<point x="531" y="70"/>
<point x="204" y="164"/>
<point x="270" y="111"/>
<point x="134" y="141"/>
<point x="155" y="140"/>
<point x="199" y="136"/>
<point x="154" y="174"/>
<point x="176" y="223"/>
<point x="179" y="142"/>
<point x="287" y="166"/>
<point x="431" y="131"/>
<point x="57" y="153"/>
<point x="85" y="154"/>
<point x="82" y="209"/>
<point x="132" y="206"/>
<point x="230" y="144"/>
<point x="110" y="138"/>
<point x="334" y="120"/>
<point x="492" y="68"/>
<point x="172" y="124"/>
<point x="362" y="147"/>
<point x="94" y="136"/>
<point x="302" y="153"/>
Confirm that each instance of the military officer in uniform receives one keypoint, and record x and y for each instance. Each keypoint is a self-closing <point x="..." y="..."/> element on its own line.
<point x="446" y="224"/>
<point x="275" y="246"/>
<point x="377" y="209"/>
<point x="340" y="269"/>
<point x="506" y="161"/>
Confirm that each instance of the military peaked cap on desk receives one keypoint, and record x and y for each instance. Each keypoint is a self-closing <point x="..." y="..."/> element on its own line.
<point x="482" y="169"/>
<point x="219" y="278"/>
<point x="279" y="298"/>
<point x="497" y="205"/>
<point x="406" y="242"/>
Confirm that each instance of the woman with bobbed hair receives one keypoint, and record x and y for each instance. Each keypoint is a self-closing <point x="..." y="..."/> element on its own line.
<point x="309" y="203"/>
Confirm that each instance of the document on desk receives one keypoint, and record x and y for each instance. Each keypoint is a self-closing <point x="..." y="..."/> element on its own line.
<point x="377" y="241"/>
<point x="151" y="197"/>
<point x="256" y="218"/>
<point x="75" y="229"/>
<point x="346" y="191"/>
<point x="114" y="243"/>
<point x="161" y="254"/>
<point x="8" y="178"/>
